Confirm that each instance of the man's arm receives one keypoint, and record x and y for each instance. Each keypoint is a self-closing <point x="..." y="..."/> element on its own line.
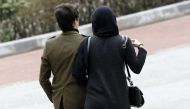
<point x="45" y="73"/>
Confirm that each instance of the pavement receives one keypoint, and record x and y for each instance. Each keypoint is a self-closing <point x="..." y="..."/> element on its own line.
<point x="164" y="81"/>
<point x="164" y="78"/>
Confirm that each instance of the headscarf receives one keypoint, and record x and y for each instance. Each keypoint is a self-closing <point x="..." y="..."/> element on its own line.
<point x="104" y="22"/>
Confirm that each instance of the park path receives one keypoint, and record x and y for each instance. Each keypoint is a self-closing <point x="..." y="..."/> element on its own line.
<point x="155" y="37"/>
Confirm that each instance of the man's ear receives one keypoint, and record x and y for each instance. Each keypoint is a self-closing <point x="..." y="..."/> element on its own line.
<point x="76" y="24"/>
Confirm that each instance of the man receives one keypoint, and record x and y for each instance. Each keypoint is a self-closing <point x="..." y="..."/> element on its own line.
<point x="58" y="56"/>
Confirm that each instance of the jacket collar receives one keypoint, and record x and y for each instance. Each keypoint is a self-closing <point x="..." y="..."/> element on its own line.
<point x="74" y="31"/>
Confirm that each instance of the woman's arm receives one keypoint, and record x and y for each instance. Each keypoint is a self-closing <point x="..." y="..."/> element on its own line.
<point x="134" y="61"/>
<point x="80" y="64"/>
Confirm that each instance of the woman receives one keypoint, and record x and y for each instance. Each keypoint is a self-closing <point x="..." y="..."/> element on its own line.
<point x="104" y="62"/>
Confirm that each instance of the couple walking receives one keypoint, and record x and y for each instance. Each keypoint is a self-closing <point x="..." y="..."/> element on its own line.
<point x="88" y="74"/>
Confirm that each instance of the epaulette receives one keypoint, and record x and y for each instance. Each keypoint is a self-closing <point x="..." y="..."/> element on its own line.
<point x="51" y="37"/>
<point x="83" y="35"/>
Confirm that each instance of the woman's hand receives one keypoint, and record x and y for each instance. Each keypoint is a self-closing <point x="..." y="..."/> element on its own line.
<point x="136" y="43"/>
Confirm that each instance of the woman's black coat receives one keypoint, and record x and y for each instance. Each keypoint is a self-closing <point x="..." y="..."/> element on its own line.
<point x="102" y="68"/>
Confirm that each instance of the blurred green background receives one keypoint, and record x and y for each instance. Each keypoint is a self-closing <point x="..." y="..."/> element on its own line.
<point x="26" y="18"/>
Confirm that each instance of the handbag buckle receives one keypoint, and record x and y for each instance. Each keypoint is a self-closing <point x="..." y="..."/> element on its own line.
<point x="130" y="81"/>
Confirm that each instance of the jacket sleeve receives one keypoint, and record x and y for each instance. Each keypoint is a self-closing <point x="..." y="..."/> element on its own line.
<point x="134" y="61"/>
<point x="80" y="64"/>
<point x="45" y="73"/>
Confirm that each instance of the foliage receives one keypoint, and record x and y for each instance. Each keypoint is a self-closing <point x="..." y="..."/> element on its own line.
<point x="8" y="10"/>
<point x="25" y="18"/>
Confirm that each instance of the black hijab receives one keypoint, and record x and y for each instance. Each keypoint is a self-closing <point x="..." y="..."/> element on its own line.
<point x="104" y="22"/>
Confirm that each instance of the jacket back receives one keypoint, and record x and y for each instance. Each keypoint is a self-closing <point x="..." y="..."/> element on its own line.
<point x="60" y="53"/>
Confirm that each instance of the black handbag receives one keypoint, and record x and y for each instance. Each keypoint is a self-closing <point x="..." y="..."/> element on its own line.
<point x="136" y="98"/>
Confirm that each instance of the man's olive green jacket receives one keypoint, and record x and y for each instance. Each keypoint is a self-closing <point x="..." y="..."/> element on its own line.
<point x="57" y="59"/>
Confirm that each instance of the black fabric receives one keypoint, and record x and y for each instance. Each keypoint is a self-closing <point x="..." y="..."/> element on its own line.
<point x="104" y="65"/>
<point x="81" y="64"/>
<point x="61" y="104"/>
<point x="134" y="61"/>
<point x="104" y="22"/>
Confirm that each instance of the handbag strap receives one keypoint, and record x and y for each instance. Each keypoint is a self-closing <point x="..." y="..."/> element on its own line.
<point x="129" y="76"/>
<point x="125" y="38"/>
<point x="88" y="44"/>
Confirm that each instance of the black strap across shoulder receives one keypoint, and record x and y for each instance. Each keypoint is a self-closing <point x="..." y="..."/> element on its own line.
<point x="124" y="42"/>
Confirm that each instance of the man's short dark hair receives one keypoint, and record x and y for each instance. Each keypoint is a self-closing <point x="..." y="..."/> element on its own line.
<point x="65" y="15"/>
